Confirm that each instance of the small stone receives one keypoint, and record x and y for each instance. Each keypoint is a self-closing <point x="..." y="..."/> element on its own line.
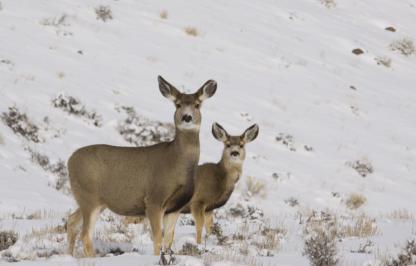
<point x="357" y="51"/>
<point x="392" y="29"/>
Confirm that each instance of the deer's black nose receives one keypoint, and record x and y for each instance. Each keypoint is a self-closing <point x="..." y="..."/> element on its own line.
<point x="187" y="118"/>
<point x="235" y="153"/>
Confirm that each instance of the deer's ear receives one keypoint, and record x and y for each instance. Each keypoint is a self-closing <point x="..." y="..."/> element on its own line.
<point x="251" y="133"/>
<point x="219" y="132"/>
<point x="167" y="90"/>
<point x="207" y="90"/>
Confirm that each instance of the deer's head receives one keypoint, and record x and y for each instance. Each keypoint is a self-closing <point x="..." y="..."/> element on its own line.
<point x="234" y="146"/>
<point x="187" y="115"/>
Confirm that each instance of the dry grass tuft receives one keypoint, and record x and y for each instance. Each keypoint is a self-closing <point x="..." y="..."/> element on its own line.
<point x="329" y="3"/>
<point x="361" y="226"/>
<point x="163" y="14"/>
<point x="229" y="258"/>
<point x="1" y="140"/>
<point x="192" y="31"/>
<point x="355" y="201"/>
<point x="255" y="187"/>
<point x="401" y="214"/>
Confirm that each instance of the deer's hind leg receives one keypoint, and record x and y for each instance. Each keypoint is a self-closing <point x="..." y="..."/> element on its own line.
<point x="74" y="221"/>
<point x="89" y="216"/>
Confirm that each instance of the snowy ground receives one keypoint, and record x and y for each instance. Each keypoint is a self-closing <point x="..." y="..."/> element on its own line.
<point x="286" y="65"/>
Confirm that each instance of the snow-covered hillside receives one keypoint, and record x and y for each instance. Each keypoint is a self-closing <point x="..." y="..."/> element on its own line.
<point x="337" y="139"/>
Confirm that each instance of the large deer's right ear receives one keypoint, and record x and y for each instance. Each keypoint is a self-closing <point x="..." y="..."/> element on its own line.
<point x="167" y="90"/>
<point x="219" y="132"/>
<point x="207" y="90"/>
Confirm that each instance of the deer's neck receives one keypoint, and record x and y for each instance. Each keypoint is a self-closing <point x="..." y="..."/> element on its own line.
<point x="187" y="142"/>
<point x="232" y="171"/>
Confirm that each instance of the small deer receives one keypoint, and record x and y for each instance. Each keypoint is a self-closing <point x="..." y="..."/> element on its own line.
<point x="214" y="183"/>
<point x="138" y="181"/>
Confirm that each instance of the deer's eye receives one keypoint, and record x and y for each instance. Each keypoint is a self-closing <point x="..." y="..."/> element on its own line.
<point x="228" y="145"/>
<point x="241" y="146"/>
<point x="197" y="105"/>
<point x="178" y="105"/>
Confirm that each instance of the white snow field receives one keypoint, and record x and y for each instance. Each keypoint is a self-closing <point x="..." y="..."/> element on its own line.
<point x="336" y="153"/>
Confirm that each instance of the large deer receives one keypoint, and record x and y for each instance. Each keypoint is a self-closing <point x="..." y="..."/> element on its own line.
<point x="139" y="181"/>
<point x="214" y="183"/>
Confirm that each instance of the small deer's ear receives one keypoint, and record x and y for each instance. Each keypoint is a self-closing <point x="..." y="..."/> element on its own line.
<point x="207" y="90"/>
<point x="251" y="133"/>
<point x="219" y="132"/>
<point x="167" y="90"/>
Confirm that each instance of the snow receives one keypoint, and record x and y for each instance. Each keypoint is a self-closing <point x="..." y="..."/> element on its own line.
<point x="286" y="65"/>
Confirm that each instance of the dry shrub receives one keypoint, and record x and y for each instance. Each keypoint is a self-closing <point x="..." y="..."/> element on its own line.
<point x="292" y="201"/>
<point x="104" y="13"/>
<point x="355" y="200"/>
<point x="7" y="239"/>
<point x="287" y="140"/>
<point x="329" y="3"/>
<point x="363" y="167"/>
<point x="406" y="257"/>
<point x="383" y="60"/>
<point x="141" y="131"/>
<point x="163" y="14"/>
<point x="192" y="31"/>
<point x="321" y="249"/>
<point x="58" y="169"/>
<point x="270" y="239"/>
<point x="61" y="20"/>
<point x="21" y="125"/>
<point x="74" y="107"/>
<point x="320" y="232"/>
<point x="405" y="46"/>
<point x="190" y="249"/>
<point x="255" y="187"/>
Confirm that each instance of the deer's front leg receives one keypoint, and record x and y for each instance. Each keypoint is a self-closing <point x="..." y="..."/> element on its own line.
<point x="169" y="223"/>
<point x="209" y="222"/>
<point x="198" y="212"/>
<point x="155" y="215"/>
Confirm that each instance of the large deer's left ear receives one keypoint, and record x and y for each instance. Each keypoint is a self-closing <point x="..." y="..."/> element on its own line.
<point x="167" y="89"/>
<point x="207" y="90"/>
<point x="251" y="133"/>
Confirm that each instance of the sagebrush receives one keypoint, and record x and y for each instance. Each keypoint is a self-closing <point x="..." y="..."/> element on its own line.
<point x="21" y="125"/>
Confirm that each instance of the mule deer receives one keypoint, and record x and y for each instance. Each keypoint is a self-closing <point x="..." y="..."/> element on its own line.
<point x="139" y="181"/>
<point x="214" y="183"/>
